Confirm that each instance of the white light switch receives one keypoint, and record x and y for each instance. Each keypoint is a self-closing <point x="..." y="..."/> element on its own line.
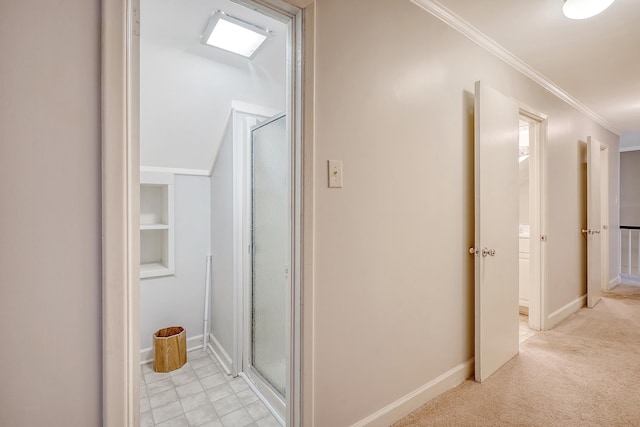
<point x="335" y="174"/>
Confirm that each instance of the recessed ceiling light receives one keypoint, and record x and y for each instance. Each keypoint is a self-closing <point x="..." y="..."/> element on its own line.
<point x="234" y="35"/>
<point x="582" y="9"/>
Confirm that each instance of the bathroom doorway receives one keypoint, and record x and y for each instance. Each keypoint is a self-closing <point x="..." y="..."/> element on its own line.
<point x="531" y="237"/>
<point x="220" y="151"/>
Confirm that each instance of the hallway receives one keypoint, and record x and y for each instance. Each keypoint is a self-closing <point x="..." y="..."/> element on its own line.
<point x="586" y="371"/>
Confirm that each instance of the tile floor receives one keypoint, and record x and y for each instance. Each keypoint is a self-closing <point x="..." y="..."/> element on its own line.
<point x="199" y="394"/>
<point x="525" y="332"/>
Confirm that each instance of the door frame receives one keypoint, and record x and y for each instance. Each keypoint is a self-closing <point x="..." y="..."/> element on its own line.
<point x="120" y="28"/>
<point x="605" y="236"/>
<point x="537" y="215"/>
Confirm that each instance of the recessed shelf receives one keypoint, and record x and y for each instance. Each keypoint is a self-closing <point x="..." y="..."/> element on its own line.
<point x="156" y="224"/>
<point x="154" y="269"/>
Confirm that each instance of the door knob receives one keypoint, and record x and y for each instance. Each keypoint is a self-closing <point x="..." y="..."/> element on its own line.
<point x="491" y="252"/>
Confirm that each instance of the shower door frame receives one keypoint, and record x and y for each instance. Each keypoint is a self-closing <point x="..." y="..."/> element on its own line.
<point x="277" y="401"/>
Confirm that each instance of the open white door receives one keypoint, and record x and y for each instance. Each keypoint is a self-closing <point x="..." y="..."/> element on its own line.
<point x="594" y="244"/>
<point x="496" y="230"/>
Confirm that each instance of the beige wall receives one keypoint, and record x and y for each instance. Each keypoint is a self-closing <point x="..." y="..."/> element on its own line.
<point x="630" y="188"/>
<point x="50" y="213"/>
<point x="393" y="281"/>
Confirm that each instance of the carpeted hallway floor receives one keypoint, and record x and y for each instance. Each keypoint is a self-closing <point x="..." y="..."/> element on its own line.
<point x="584" y="372"/>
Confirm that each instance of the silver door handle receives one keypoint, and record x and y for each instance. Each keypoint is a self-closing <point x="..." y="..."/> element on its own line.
<point x="591" y="231"/>
<point x="491" y="252"/>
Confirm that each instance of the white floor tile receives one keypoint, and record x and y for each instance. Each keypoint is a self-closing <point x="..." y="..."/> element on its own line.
<point x="184" y="378"/>
<point x="226" y="405"/>
<point x="213" y="381"/>
<point x="189" y="389"/>
<point x="180" y="421"/>
<point x="238" y="385"/>
<point x="163" y="398"/>
<point x="144" y="405"/>
<point x="199" y="394"/>
<point x="192" y="402"/>
<point x="268" y="421"/>
<point x="239" y="418"/>
<point x="219" y="392"/>
<point x="166" y="412"/>
<point x="201" y="415"/>
<point x="246" y="397"/>
<point x="206" y="371"/>
<point x="199" y="363"/>
<point x="158" y="386"/>
<point x="146" y="419"/>
<point x="257" y="410"/>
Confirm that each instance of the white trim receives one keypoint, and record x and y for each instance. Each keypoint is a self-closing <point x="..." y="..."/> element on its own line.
<point x="566" y="311"/>
<point x="625" y="149"/>
<point x="254" y="109"/>
<point x="146" y="354"/>
<point x="614" y="282"/>
<point x="459" y="24"/>
<point x="120" y="228"/>
<point x="245" y="108"/>
<point x="176" y="171"/>
<point x="218" y="352"/>
<point x="412" y="401"/>
<point x="629" y="279"/>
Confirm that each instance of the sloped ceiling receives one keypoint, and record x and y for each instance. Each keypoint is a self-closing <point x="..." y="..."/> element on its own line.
<point x="596" y="60"/>
<point x="186" y="88"/>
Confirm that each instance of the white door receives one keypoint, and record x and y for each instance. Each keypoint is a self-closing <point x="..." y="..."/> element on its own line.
<point x="594" y="249"/>
<point x="496" y="230"/>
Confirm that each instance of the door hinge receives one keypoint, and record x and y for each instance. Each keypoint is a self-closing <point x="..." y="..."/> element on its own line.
<point x="135" y="21"/>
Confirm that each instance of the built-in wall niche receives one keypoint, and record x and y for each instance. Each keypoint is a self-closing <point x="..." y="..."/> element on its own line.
<point x="156" y="224"/>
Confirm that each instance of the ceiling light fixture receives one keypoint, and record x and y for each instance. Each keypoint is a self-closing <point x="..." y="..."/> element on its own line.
<point x="234" y="35"/>
<point x="582" y="9"/>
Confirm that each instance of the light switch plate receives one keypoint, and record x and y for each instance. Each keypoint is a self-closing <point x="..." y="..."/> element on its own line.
<point x="335" y="173"/>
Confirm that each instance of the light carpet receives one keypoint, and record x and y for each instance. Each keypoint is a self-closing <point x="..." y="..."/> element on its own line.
<point x="584" y="372"/>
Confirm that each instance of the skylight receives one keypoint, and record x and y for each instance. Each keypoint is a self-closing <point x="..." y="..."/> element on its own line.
<point x="234" y="35"/>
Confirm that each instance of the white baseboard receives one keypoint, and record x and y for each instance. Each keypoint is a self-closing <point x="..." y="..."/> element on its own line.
<point x="566" y="311"/>
<point x="614" y="282"/>
<point x="193" y="343"/>
<point x="630" y="279"/>
<point x="218" y="351"/>
<point x="412" y="401"/>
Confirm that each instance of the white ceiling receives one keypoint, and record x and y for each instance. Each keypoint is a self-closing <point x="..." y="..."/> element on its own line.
<point x="187" y="89"/>
<point x="596" y="60"/>
<point x="179" y="24"/>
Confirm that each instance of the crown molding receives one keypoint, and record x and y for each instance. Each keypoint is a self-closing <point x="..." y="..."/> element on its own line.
<point x="472" y="33"/>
